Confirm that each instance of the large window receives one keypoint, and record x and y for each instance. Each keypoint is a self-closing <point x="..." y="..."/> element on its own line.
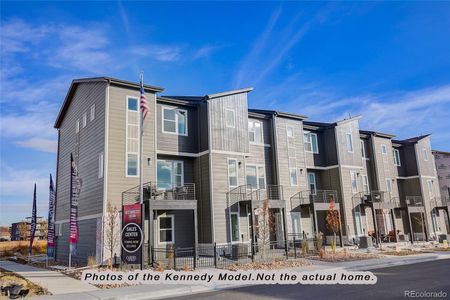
<point x="349" y="140"/>
<point x="354" y="181"/>
<point x="255" y="133"/>
<point x="293" y="176"/>
<point x="312" y="183"/>
<point x="230" y="118"/>
<point x="296" y="225"/>
<point x="310" y="142"/>
<point x="366" y="187"/>
<point x="170" y="174"/>
<point x="174" y="120"/>
<point x="234" y="224"/>
<point x="166" y="229"/>
<point x="396" y="155"/>
<point x="132" y="137"/>
<point x="256" y="176"/>
<point x="232" y="172"/>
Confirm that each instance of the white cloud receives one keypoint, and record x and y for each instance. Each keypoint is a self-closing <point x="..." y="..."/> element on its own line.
<point x="45" y="145"/>
<point x="159" y="52"/>
<point x="204" y="51"/>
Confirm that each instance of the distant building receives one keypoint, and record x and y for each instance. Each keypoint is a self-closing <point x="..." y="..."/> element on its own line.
<point x="5" y="233"/>
<point x="20" y="231"/>
<point x="442" y="160"/>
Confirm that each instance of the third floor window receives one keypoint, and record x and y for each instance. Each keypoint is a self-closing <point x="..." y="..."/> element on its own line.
<point x="255" y="134"/>
<point x="174" y="121"/>
<point x="310" y="142"/>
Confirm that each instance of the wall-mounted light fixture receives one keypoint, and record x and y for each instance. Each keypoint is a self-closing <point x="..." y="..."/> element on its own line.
<point x="149" y="161"/>
<point x="240" y="164"/>
<point x="301" y="171"/>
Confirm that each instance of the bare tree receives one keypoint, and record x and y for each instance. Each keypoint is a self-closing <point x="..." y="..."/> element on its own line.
<point x="111" y="224"/>
<point x="333" y="222"/>
<point x="23" y="231"/>
<point x="265" y="225"/>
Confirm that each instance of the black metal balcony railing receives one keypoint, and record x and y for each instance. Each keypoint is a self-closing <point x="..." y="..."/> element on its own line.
<point x="439" y="202"/>
<point x="152" y="192"/>
<point x="308" y="197"/>
<point x="414" y="201"/>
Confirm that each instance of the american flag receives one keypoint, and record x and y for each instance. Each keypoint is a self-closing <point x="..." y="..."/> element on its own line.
<point x="143" y="101"/>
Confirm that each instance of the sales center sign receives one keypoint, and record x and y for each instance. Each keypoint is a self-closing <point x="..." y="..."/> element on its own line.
<point x="132" y="235"/>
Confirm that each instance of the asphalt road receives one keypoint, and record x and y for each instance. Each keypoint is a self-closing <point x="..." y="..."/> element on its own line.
<point x="392" y="283"/>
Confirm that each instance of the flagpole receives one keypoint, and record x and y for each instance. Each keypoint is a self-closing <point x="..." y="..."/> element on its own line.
<point x="141" y="147"/>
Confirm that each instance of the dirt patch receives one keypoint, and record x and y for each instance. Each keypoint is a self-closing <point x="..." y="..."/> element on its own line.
<point x="9" y="278"/>
<point x="344" y="256"/>
<point x="281" y="264"/>
<point x="404" y="252"/>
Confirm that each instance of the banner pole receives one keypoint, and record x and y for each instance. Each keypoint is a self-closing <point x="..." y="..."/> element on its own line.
<point x="141" y="178"/>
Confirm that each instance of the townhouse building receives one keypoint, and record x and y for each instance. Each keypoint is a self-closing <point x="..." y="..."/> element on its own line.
<point x="210" y="164"/>
<point x="442" y="163"/>
<point x="20" y="231"/>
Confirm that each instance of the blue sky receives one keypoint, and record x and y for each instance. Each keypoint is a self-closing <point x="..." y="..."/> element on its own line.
<point x="388" y="62"/>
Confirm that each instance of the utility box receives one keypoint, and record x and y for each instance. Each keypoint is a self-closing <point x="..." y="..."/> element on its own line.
<point x="443" y="237"/>
<point x="365" y="242"/>
<point x="239" y="251"/>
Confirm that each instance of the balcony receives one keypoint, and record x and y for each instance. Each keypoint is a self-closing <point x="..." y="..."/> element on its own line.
<point x="439" y="203"/>
<point x="320" y="199"/>
<point x="180" y="197"/>
<point x="246" y="193"/>
<point x="414" y="204"/>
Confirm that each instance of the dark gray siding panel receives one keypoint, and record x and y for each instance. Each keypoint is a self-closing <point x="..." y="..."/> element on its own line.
<point x="174" y="142"/>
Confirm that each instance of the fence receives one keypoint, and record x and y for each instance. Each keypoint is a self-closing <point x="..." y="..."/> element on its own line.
<point x="226" y="255"/>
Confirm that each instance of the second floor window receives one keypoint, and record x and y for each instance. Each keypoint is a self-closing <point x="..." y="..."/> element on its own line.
<point x="256" y="176"/>
<point x="170" y="174"/>
<point x="232" y="173"/>
<point x="132" y="137"/>
<point x="396" y="154"/>
<point x="354" y="181"/>
<point x="255" y="134"/>
<point x="174" y="120"/>
<point x="310" y="142"/>
<point x="366" y="185"/>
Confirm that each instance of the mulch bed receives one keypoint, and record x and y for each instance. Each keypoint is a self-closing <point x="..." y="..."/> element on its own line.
<point x="281" y="264"/>
<point x="344" y="256"/>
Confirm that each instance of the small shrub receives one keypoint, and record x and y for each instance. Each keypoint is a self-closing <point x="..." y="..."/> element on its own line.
<point x="160" y="268"/>
<point x="345" y="252"/>
<point x="333" y="246"/>
<point x="91" y="261"/>
<point x="305" y="249"/>
<point x="186" y="267"/>
<point x="319" y="242"/>
<point x="321" y="253"/>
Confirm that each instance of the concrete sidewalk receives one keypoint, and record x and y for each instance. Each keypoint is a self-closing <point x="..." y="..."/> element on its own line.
<point x="167" y="290"/>
<point x="55" y="282"/>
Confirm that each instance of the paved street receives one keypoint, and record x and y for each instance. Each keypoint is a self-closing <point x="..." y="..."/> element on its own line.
<point x="392" y="282"/>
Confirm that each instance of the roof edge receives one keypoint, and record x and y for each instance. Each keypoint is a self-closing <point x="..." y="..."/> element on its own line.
<point x="227" y="93"/>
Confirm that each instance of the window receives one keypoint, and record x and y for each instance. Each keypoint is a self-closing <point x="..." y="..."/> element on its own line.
<point x="92" y="115"/>
<point x="174" y="120"/>
<point x="234" y="223"/>
<point x="169" y="174"/>
<point x="366" y="187"/>
<point x="256" y="176"/>
<point x="296" y="225"/>
<point x="290" y="138"/>
<point x="84" y="119"/>
<point x="349" y="139"/>
<point x="389" y="185"/>
<point x="132" y="137"/>
<point x="430" y="188"/>
<point x="363" y="149"/>
<point x="255" y="134"/>
<point x="166" y="229"/>
<point x="358" y="218"/>
<point x="293" y="176"/>
<point x="77" y="126"/>
<point x="232" y="173"/>
<point x="354" y="181"/>
<point x="310" y="141"/>
<point x="230" y="117"/>
<point x="425" y="154"/>
<point x="312" y="183"/>
<point x="100" y="165"/>
<point x="396" y="154"/>
<point x="383" y="149"/>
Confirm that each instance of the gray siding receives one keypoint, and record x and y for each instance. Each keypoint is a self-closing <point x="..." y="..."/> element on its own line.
<point x="90" y="145"/>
